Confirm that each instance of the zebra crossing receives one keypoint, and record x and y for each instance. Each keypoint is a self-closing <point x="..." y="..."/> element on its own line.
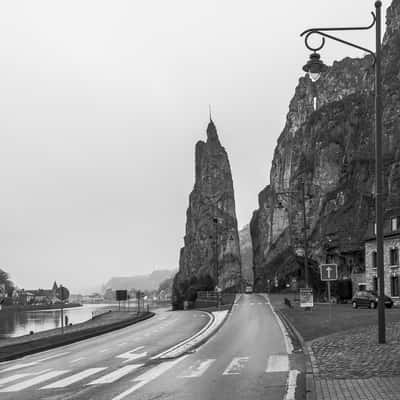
<point x="49" y="379"/>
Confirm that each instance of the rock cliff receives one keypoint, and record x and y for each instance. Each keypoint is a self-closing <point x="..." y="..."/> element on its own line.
<point x="329" y="153"/>
<point x="211" y="253"/>
<point x="246" y="254"/>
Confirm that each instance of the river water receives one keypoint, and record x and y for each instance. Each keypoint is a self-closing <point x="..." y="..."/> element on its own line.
<point x="18" y="323"/>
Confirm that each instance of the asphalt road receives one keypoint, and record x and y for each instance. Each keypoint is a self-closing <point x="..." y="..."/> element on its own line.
<point x="246" y="359"/>
<point x="84" y="369"/>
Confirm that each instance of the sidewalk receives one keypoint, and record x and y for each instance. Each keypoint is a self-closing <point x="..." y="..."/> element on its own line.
<point x="349" y="365"/>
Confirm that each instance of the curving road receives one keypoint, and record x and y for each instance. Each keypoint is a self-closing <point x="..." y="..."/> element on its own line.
<point x="248" y="358"/>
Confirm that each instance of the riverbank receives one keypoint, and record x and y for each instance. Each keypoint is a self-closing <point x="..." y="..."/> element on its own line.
<point x="13" y="348"/>
<point x="37" y="307"/>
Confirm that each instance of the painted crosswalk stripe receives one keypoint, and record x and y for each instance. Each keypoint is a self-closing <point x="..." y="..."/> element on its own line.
<point x="198" y="369"/>
<point x="148" y="376"/>
<point x="278" y="363"/>
<point x="77" y="359"/>
<point x="18" y="366"/>
<point x="33" y="381"/>
<point x="53" y="356"/>
<point x="235" y="366"/>
<point x="74" y="378"/>
<point x="13" y="378"/>
<point x="115" y="375"/>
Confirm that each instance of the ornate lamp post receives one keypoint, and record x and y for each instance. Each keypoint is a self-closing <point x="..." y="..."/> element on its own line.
<point x="315" y="67"/>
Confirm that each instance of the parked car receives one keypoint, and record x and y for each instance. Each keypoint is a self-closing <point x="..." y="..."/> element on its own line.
<point x="369" y="298"/>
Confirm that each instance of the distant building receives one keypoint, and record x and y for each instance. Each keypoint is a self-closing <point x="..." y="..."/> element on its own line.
<point x="391" y="246"/>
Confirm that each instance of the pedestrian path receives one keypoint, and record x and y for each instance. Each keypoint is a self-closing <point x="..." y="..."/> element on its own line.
<point x="49" y="379"/>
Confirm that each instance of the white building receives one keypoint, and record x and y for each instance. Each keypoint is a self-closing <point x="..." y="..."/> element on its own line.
<point x="391" y="256"/>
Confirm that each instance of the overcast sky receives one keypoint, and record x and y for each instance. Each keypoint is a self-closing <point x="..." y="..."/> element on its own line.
<point x="101" y="104"/>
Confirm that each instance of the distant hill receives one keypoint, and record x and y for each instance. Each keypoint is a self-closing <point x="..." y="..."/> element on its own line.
<point x="246" y="253"/>
<point x="141" y="282"/>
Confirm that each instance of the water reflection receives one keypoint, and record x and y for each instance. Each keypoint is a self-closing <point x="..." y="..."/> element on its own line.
<point x="18" y="323"/>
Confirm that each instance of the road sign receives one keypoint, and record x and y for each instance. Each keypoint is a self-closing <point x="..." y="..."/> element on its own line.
<point x="306" y="297"/>
<point x="121" y="295"/>
<point x="329" y="272"/>
<point x="62" y="293"/>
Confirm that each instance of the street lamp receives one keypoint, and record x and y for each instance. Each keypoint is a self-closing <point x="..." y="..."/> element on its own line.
<point x="315" y="67"/>
<point x="305" y="244"/>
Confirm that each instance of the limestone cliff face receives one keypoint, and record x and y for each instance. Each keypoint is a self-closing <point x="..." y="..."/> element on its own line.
<point x="331" y="151"/>
<point x="246" y="253"/>
<point x="211" y="252"/>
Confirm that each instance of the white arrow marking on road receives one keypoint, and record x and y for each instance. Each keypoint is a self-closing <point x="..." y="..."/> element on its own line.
<point x="198" y="369"/>
<point x="132" y="355"/>
<point x="235" y="366"/>
<point x="148" y="376"/>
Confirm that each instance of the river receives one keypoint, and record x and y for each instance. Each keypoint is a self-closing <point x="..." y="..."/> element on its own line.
<point x="18" y="323"/>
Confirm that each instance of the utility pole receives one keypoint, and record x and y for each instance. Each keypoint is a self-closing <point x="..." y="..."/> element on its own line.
<point x="305" y="244"/>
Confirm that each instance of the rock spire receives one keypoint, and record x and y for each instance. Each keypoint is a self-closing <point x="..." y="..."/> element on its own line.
<point x="211" y="253"/>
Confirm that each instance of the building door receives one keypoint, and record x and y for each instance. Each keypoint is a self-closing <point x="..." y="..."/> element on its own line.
<point x="394" y="286"/>
<point x="375" y="284"/>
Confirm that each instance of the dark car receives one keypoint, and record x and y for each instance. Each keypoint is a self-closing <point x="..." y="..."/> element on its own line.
<point x="369" y="298"/>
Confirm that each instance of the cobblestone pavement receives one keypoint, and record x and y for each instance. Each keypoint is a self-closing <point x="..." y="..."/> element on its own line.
<point x="351" y="365"/>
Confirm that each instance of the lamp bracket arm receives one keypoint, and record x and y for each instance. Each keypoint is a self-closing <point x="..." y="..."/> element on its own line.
<point x="322" y="32"/>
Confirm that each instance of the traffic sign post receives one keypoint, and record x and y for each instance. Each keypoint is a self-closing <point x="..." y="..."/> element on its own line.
<point x="306" y="298"/>
<point x="329" y="272"/>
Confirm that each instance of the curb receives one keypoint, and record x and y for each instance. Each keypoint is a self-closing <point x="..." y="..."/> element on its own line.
<point x="309" y="357"/>
<point x="11" y="352"/>
<point x="180" y="347"/>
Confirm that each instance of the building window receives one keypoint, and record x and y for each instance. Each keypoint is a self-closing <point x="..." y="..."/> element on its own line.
<point x="394" y="256"/>
<point x="393" y="224"/>
<point x="375" y="284"/>
<point x="394" y="286"/>
<point x="374" y="259"/>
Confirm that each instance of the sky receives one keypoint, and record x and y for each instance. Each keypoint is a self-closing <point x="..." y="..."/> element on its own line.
<point x="102" y="103"/>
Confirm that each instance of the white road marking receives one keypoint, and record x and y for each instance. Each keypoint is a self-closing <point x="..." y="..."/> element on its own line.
<point x="278" y="363"/>
<point x="13" y="378"/>
<point x="291" y="385"/>
<point x="115" y="375"/>
<point x="53" y="356"/>
<point x="77" y="359"/>
<point x="148" y="376"/>
<point x="33" y="381"/>
<point x="235" y="366"/>
<point x="30" y="364"/>
<point x="73" y="378"/>
<point x="132" y="354"/>
<point x="288" y="342"/>
<point x="198" y="369"/>
<point x="18" y="366"/>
